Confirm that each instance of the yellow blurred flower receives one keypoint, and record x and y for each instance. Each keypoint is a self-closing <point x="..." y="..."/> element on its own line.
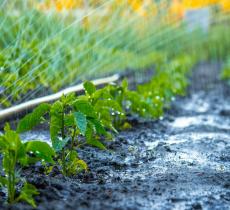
<point x="176" y="11"/>
<point x="137" y="6"/>
<point x="61" y="4"/>
<point x="196" y="4"/>
<point x="65" y="4"/>
<point x="143" y="7"/>
<point x="225" y="5"/>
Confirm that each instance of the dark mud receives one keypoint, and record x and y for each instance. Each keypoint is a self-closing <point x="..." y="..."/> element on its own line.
<point x="179" y="162"/>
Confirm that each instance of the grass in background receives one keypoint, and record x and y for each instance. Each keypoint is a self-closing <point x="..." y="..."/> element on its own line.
<point x="48" y="50"/>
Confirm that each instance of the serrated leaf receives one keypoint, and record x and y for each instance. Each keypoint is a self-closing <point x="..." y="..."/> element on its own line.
<point x="96" y="143"/>
<point x="98" y="126"/>
<point x="81" y="122"/>
<point x="41" y="149"/>
<point x="89" y="87"/>
<point x="33" y="119"/>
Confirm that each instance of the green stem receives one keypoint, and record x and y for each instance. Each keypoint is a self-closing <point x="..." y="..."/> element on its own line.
<point x="73" y="137"/>
<point x="63" y="137"/>
<point x="79" y="145"/>
<point x="11" y="178"/>
<point x="9" y="185"/>
<point x="63" y="162"/>
<point x="63" y="124"/>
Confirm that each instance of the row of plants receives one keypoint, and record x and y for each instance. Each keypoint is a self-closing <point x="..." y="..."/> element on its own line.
<point x="85" y="120"/>
<point x="36" y="48"/>
<point x="33" y="55"/>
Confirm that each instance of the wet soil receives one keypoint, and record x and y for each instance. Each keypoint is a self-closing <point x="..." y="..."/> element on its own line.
<point x="179" y="162"/>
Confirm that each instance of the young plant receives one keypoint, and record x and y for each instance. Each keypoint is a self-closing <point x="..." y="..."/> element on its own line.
<point x="65" y="126"/>
<point x="15" y="152"/>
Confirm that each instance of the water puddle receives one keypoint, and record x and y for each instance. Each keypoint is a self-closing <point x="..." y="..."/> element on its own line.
<point x="41" y="135"/>
<point x="187" y="137"/>
<point x="197" y="104"/>
<point x="201" y="120"/>
<point x="196" y="136"/>
<point x="191" y="149"/>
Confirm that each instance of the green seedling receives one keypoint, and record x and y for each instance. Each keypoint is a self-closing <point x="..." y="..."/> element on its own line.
<point x="16" y="153"/>
<point x="65" y="126"/>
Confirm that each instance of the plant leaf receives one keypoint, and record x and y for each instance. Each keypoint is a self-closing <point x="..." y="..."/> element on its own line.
<point x="84" y="107"/>
<point x="27" y="193"/>
<point x="112" y="104"/>
<point x="90" y="139"/>
<point x="13" y="142"/>
<point x="124" y="84"/>
<point x="59" y="144"/>
<point x="55" y="120"/>
<point x="3" y="144"/>
<point x="81" y="122"/>
<point x="3" y="181"/>
<point x="98" y="126"/>
<point x="41" y="149"/>
<point x="81" y="165"/>
<point x="96" y="143"/>
<point x="89" y="87"/>
<point x="74" y="164"/>
<point x="32" y="119"/>
<point x="69" y="120"/>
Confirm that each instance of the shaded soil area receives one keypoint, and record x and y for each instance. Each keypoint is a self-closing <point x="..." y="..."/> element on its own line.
<point x="179" y="162"/>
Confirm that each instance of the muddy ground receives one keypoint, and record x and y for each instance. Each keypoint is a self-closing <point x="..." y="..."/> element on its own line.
<point x="179" y="162"/>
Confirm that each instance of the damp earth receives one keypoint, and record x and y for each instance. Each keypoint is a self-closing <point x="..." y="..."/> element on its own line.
<point x="179" y="162"/>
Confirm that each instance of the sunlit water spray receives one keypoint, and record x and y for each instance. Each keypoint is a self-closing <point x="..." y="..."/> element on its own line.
<point x="91" y="57"/>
